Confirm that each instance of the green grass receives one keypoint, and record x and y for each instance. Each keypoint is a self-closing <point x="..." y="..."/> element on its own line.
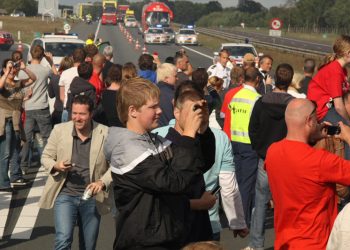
<point x="29" y="26"/>
<point x="312" y="37"/>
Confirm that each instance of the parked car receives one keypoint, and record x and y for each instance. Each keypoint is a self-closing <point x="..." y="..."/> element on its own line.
<point x="6" y="40"/>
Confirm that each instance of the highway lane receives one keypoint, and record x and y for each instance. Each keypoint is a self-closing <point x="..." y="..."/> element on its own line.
<point x="290" y="42"/>
<point x="27" y="227"/>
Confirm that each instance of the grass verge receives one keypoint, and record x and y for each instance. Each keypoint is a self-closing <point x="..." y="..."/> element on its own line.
<point x="29" y="26"/>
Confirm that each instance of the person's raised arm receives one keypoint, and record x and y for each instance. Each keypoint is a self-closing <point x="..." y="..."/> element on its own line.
<point x="340" y="108"/>
<point x="30" y="74"/>
<point x="3" y="78"/>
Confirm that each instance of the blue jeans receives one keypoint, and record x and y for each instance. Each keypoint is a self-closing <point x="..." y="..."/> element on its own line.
<point x="262" y="197"/>
<point x="9" y="143"/>
<point x="70" y="210"/>
<point x="64" y="116"/>
<point x="246" y="164"/>
<point x="42" y="118"/>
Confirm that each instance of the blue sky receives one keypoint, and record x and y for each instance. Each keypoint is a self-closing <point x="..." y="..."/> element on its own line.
<point x="225" y="3"/>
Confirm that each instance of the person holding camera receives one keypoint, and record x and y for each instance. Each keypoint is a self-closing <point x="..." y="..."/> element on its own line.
<point x="303" y="187"/>
<point x="11" y="98"/>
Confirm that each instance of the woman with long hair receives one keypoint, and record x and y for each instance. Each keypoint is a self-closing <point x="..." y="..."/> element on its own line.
<point x="330" y="83"/>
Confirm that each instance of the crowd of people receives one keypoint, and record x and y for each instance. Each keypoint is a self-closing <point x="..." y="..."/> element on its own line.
<point x="150" y="143"/>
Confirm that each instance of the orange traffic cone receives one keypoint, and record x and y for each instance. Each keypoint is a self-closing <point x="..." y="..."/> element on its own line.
<point x="144" y="50"/>
<point x="137" y="45"/>
<point x="20" y="46"/>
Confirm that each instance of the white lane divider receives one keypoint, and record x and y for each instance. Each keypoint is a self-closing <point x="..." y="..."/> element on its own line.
<point x="27" y="218"/>
<point x="97" y="30"/>
<point x="5" y="201"/>
<point x="199" y="53"/>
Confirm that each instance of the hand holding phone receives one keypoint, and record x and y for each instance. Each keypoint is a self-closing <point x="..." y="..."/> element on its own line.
<point x="216" y="190"/>
<point x="333" y="130"/>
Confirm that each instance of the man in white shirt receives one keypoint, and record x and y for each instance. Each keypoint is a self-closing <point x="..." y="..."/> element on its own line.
<point x="220" y="69"/>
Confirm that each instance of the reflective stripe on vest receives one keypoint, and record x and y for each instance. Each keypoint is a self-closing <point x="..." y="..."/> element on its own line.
<point x="241" y="107"/>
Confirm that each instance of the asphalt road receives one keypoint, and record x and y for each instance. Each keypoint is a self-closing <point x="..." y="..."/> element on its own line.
<point x="290" y="42"/>
<point x="24" y="226"/>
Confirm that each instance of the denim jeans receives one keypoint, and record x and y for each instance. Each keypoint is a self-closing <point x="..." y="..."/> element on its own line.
<point x="42" y="118"/>
<point x="64" y="117"/>
<point x="246" y="163"/>
<point x="70" y="210"/>
<point x="262" y="197"/>
<point x="9" y="143"/>
<point x="15" y="160"/>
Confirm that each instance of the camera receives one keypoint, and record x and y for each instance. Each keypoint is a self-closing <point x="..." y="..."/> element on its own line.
<point x="16" y="64"/>
<point x="333" y="130"/>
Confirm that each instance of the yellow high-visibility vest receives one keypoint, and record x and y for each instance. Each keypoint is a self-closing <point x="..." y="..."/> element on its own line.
<point x="241" y="107"/>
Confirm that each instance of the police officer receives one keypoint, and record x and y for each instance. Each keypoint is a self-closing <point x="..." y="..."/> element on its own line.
<point x="221" y="69"/>
<point x="91" y="39"/>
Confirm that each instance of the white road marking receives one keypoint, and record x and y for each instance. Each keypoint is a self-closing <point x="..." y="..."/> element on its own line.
<point x="97" y="30"/>
<point x="199" y="53"/>
<point x="27" y="218"/>
<point x="5" y="201"/>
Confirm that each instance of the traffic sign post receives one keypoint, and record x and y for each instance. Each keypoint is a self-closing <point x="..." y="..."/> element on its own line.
<point x="66" y="28"/>
<point x="276" y="33"/>
<point x="276" y="26"/>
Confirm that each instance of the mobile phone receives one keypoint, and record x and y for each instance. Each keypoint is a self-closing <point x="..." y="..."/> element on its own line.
<point x="216" y="190"/>
<point x="333" y="130"/>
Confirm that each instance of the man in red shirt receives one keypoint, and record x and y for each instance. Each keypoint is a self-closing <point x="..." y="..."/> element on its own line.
<point x="302" y="180"/>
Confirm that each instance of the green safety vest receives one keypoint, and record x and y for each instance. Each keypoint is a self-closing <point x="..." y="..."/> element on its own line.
<point x="241" y="107"/>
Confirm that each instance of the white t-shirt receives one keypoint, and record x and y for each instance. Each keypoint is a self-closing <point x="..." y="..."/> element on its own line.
<point x="66" y="79"/>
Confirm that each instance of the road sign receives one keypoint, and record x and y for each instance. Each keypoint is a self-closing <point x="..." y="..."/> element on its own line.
<point x="276" y="24"/>
<point x="276" y="33"/>
<point x="66" y="28"/>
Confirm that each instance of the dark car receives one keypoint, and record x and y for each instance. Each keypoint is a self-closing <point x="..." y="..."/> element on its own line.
<point x="6" y="40"/>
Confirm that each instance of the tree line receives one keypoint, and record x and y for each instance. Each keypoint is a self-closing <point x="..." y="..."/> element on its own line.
<point x="309" y="15"/>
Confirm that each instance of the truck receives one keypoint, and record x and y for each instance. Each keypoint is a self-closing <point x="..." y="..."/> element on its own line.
<point x="121" y="10"/>
<point x="156" y="13"/>
<point x="109" y="12"/>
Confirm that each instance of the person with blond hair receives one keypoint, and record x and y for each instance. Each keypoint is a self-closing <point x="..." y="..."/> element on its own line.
<point x="166" y="79"/>
<point x="205" y="245"/>
<point x="329" y="84"/>
<point x="295" y="86"/>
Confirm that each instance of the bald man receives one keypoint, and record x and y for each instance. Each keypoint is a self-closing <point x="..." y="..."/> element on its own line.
<point x="98" y="63"/>
<point x="302" y="180"/>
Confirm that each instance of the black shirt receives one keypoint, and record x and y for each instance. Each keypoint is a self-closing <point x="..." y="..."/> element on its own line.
<point x="305" y="84"/>
<point x="79" y="176"/>
<point x="53" y="90"/>
<point x="109" y="106"/>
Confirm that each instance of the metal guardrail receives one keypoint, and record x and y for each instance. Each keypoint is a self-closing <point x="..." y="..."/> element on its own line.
<point x="229" y="36"/>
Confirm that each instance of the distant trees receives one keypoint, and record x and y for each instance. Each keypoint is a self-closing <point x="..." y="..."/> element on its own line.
<point x="310" y="15"/>
<point x="29" y="7"/>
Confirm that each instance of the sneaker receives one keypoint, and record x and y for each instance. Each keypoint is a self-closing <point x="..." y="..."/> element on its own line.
<point x="20" y="182"/>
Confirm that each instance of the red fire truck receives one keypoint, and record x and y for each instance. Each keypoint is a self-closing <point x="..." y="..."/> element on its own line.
<point x="109" y="12"/>
<point x="156" y="13"/>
